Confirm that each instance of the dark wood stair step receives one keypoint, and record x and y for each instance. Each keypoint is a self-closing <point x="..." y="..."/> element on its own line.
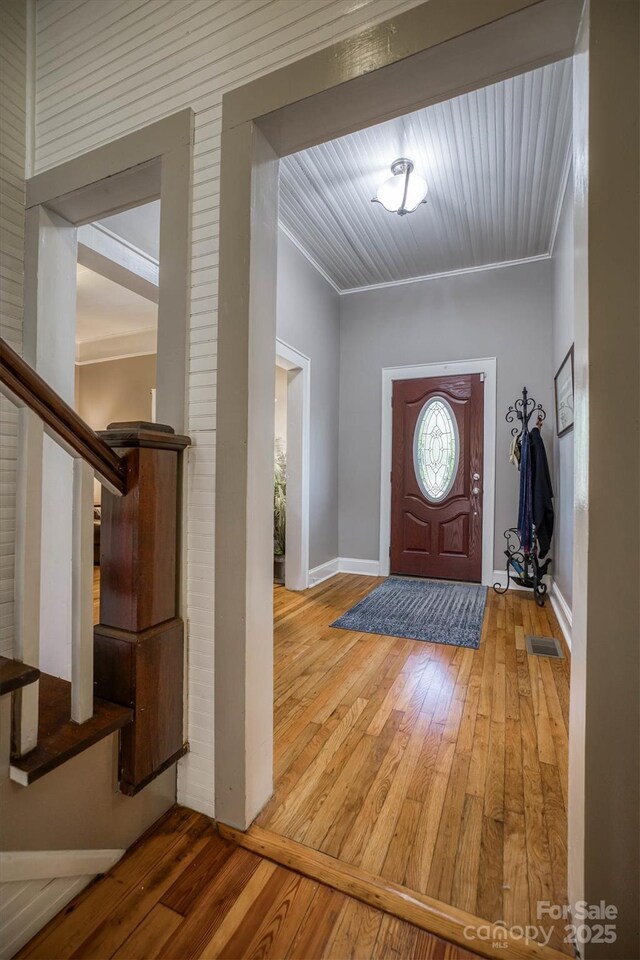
<point x="14" y="674"/>
<point x="59" y="738"/>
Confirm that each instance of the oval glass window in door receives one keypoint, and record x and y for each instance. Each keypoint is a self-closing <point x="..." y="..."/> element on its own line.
<point x="436" y="449"/>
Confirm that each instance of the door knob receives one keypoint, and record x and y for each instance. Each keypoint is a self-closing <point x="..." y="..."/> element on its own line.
<point x="475" y="491"/>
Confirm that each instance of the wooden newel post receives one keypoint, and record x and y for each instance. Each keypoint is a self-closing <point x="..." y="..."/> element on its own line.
<point x="139" y="642"/>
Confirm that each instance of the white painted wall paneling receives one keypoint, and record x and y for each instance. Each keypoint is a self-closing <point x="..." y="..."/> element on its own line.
<point x="13" y="72"/>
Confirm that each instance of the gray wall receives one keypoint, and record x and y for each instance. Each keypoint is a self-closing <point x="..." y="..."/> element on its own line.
<point x="504" y="313"/>
<point x="308" y="319"/>
<point x="563" y="337"/>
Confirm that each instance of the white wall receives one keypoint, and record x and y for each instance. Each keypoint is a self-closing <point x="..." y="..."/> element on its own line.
<point x="563" y="337"/>
<point x="13" y="42"/>
<point x="503" y="313"/>
<point x="103" y="70"/>
<point x="308" y="319"/>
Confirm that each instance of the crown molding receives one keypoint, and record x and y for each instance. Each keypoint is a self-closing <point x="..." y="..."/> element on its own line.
<point x="118" y="346"/>
<point x="305" y="253"/>
<point x="429" y="276"/>
<point x="561" y="195"/>
<point x="449" y="273"/>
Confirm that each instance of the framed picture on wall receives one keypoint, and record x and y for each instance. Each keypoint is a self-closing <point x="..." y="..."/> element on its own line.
<point x="563" y="382"/>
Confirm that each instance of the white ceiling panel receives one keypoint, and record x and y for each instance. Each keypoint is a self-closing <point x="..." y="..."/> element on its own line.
<point x="495" y="162"/>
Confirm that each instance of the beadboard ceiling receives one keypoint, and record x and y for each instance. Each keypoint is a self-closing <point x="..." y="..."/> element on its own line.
<point x="495" y="161"/>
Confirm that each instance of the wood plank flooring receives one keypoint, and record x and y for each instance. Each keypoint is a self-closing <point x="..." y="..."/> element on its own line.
<point x="184" y="892"/>
<point x="440" y="768"/>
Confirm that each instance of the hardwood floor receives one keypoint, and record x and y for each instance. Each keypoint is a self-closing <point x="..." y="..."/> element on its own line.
<point x="440" y="768"/>
<point x="184" y="892"/>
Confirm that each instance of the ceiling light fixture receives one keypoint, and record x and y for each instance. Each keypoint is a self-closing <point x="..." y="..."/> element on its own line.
<point x="404" y="191"/>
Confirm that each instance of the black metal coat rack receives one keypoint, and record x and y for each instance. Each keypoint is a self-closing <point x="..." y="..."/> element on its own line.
<point x="524" y="568"/>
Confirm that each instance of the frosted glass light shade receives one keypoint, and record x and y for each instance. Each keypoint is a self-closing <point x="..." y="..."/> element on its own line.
<point x="404" y="191"/>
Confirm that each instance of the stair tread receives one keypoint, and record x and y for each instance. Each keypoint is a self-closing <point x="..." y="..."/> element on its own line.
<point x="14" y="674"/>
<point x="59" y="738"/>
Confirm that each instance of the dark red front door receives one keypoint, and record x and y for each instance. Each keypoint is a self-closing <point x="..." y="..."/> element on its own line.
<point x="436" y="477"/>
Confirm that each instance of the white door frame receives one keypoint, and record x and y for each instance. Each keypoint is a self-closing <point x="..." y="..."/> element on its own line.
<point x="151" y="163"/>
<point x="424" y="55"/>
<point x="488" y="367"/>
<point x="298" y="368"/>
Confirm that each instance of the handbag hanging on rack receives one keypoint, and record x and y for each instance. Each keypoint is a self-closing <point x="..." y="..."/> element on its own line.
<point x="528" y="543"/>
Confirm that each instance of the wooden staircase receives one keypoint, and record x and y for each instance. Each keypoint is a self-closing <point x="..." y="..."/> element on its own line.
<point x="127" y="674"/>
<point x="59" y="738"/>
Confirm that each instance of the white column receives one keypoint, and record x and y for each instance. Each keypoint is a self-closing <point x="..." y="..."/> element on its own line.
<point x="49" y="346"/>
<point x="27" y="573"/>
<point x="82" y="594"/>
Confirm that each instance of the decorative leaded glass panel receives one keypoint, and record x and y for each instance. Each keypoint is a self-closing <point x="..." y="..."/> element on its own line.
<point x="436" y="449"/>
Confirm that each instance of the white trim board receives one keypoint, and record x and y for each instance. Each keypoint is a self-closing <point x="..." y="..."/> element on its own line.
<point x="371" y="568"/>
<point x="563" y="613"/>
<point x="305" y="253"/>
<point x="459" y="272"/>
<point x="21" y="865"/>
<point x="560" y="606"/>
<point x="446" y="273"/>
<point x="324" y="571"/>
<point x="564" y="183"/>
<point x="364" y="568"/>
<point x="118" y="346"/>
<point x="110" y="256"/>
<point x="485" y="365"/>
<point x="298" y="367"/>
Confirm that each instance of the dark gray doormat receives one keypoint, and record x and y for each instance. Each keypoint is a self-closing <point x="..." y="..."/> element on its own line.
<point x="433" y="610"/>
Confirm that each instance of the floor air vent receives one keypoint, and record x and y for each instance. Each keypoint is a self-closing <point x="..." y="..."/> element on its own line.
<point x="544" y="647"/>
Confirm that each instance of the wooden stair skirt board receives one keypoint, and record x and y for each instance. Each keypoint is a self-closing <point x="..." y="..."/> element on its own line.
<point x="431" y="915"/>
<point x="139" y="642"/>
<point x="59" y="738"/>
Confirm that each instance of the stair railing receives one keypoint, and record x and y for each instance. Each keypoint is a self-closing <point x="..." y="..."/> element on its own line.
<point x="41" y="410"/>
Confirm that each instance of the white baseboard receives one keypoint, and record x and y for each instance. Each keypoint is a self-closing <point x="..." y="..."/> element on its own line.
<point x="563" y="613"/>
<point x="366" y="568"/>
<point x="560" y="606"/>
<point x="323" y="572"/>
<point x="22" y="865"/>
<point x="371" y="568"/>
